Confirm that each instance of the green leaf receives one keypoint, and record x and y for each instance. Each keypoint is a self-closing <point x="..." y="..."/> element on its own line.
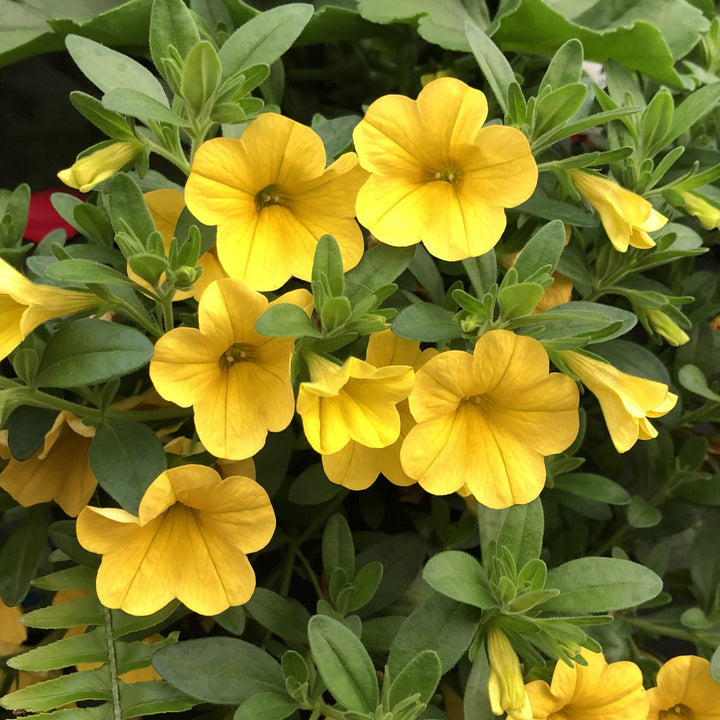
<point x="220" y="670"/>
<point x="426" y="322"/>
<point x="286" y="320"/>
<point x="285" y="617"/>
<point x="492" y="62"/>
<point x="640" y="37"/>
<point x="312" y="487"/>
<point x="344" y="664"/>
<point x="268" y="706"/>
<point x="265" y="38"/>
<point x="336" y="133"/>
<point x="693" y="379"/>
<point x="90" y="351"/>
<point x="126" y="457"/>
<point x="377" y="268"/>
<point x="654" y="123"/>
<point x="694" y="107"/>
<point x="557" y="106"/>
<point x="594" y="487"/>
<point x="152" y="698"/>
<point x="128" y="207"/>
<point x="27" y="427"/>
<point x="519" y="300"/>
<point x="171" y="23"/>
<point x="83" y="611"/>
<point x="200" y="76"/>
<point x="476" y="702"/>
<point x="461" y="577"/>
<point x="87" y="685"/>
<point x="82" y="272"/>
<point x="327" y="271"/>
<point x="599" y="584"/>
<point x="519" y="528"/>
<point x="73" y="578"/>
<point x="365" y="584"/>
<point x="565" y="67"/>
<point x="641" y="514"/>
<point x="109" y="69"/>
<point x="338" y="549"/>
<point x="136" y="104"/>
<point x="111" y="123"/>
<point x="335" y="313"/>
<point x="543" y="248"/>
<point x="233" y="620"/>
<point x="421" y="675"/>
<point x="21" y="554"/>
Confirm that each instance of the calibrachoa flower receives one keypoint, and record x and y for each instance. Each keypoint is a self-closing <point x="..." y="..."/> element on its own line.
<point x="58" y="471"/>
<point x="237" y="381"/>
<point x="24" y="305"/>
<point x="626" y="217"/>
<point x="272" y="199"/>
<point x="707" y="214"/>
<point x="488" y="420"/>
<point x="599" y="690"/>
<point x="357" y="466"/>
<point x="437" y="175"/>
<point x="626" y="401"/>
<point x="685" y="691"/>
<point x="506" y="688"/>
<point x="354" y="401"/>
<point x="92" y="169"/>
<point x="190" y="541"/>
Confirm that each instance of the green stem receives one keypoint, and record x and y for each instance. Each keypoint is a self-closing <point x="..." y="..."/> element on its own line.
<point x="311" y="573"/>
<point x="658" y="629"/>
<point x="117" y="710"/>
<point x="132" y="313"/>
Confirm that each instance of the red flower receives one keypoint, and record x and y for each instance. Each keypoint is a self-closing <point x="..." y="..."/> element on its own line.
<point x="43" y="218"/>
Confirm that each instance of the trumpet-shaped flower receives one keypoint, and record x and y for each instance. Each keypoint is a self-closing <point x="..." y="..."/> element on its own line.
<point x="589" y="692"/>
<point x="59" y="470"/>
<point x="355" y="401"/>
<point x="272" y="199"/>
<point x="626" y="401"/>
<point x="357" y="466"/>
<point x="24" y="305"/>
<point x="190" y="541"/>
<point x="707" y="214"/>
<point x="685" y="691"/>
<point x="506" y="688"/>
<point x="626" y="217"/>
<point x="488" y="420"/>
<point x="437" y="175"/>
<point x="237" y="381"/>
<point x="92" y="169"/>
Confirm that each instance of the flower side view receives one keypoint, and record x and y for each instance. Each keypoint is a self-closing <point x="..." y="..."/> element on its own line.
<point x="437" y="175"/>
<point x="190" y="541"/>
<point x="597" y="690"/>
<point x="685" y="691"/>
<point x="506" y="688"/>
<point x="626" y="401"/>
<point x="24" y="305"/>
<point x="357" y="466"/>
<point x="626" y="217"/>
<point x="488" y="420"/>
<point x="272" y="199"/>
<point x="58" y="471"/>
<point x="103" y="163"/>
<point x="237" y="381"/>
<point x="352" y="402"/>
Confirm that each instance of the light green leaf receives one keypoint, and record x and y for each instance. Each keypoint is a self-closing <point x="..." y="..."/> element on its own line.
<point x="519" y="528"/>
<point x="426" y="322"/>
<point x="492" y="62"/>
<point x="461" y="577"/>
<point x="268" y="706"/>
<point x="286" y="320"/>
<point x="136" y="104"/>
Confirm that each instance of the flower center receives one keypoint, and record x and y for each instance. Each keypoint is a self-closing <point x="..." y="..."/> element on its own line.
<point x="447" y="174"/>
<point x="235" y="354"/>
<point x="677" y="712"/>
<point x="271" y="195"/>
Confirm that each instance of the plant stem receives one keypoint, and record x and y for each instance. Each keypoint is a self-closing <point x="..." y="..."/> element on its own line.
<point x="117" y="710"/>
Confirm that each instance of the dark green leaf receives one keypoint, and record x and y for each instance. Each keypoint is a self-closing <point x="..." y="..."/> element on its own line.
<point x="426" y="322"/>
<point x="26" y="428"/>
<point x="285" y="617"/>
<point x="268" y="706"/>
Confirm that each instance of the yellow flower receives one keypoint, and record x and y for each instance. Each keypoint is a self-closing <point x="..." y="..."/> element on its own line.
<point x="272" y="199"/>
<point x="626" y="401"/>
<point x="489" y="419"/>
<point x="24" y="305"/>
<point x="12" y="632"/>
<point x="165" y="207"/>
<point x="597" y="691"/>
<point x="506" y="688"/>
<point x="439" y="176"/>
<point x="626" y="217"/>
<point x="190" y="541"/>
<point x="685" y="691"/>
<point x="707" y="214"/>
<point x="91" y="170"/>
<point x="58" y="471"/>
<point x="237" y="381"/>
<point x="357" y="466"/>
<point x="355" y="401"/>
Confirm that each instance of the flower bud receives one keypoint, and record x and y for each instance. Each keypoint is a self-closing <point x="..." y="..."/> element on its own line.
<point x="91" y="170"/>
<point x="666" y="328"/>
<point x="706" y="213"/>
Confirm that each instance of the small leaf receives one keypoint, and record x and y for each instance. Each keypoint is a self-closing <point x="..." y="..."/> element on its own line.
<point x="492" y="62"/>
<point x="268" y="706"/>
<point x="344" y="664"/>
<point x="286" y="320"/>
<point x="426" y="322"/>
<point x="461" y="577"/>
<point x="642" y="515"/>
<point x="421" y="675"/>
